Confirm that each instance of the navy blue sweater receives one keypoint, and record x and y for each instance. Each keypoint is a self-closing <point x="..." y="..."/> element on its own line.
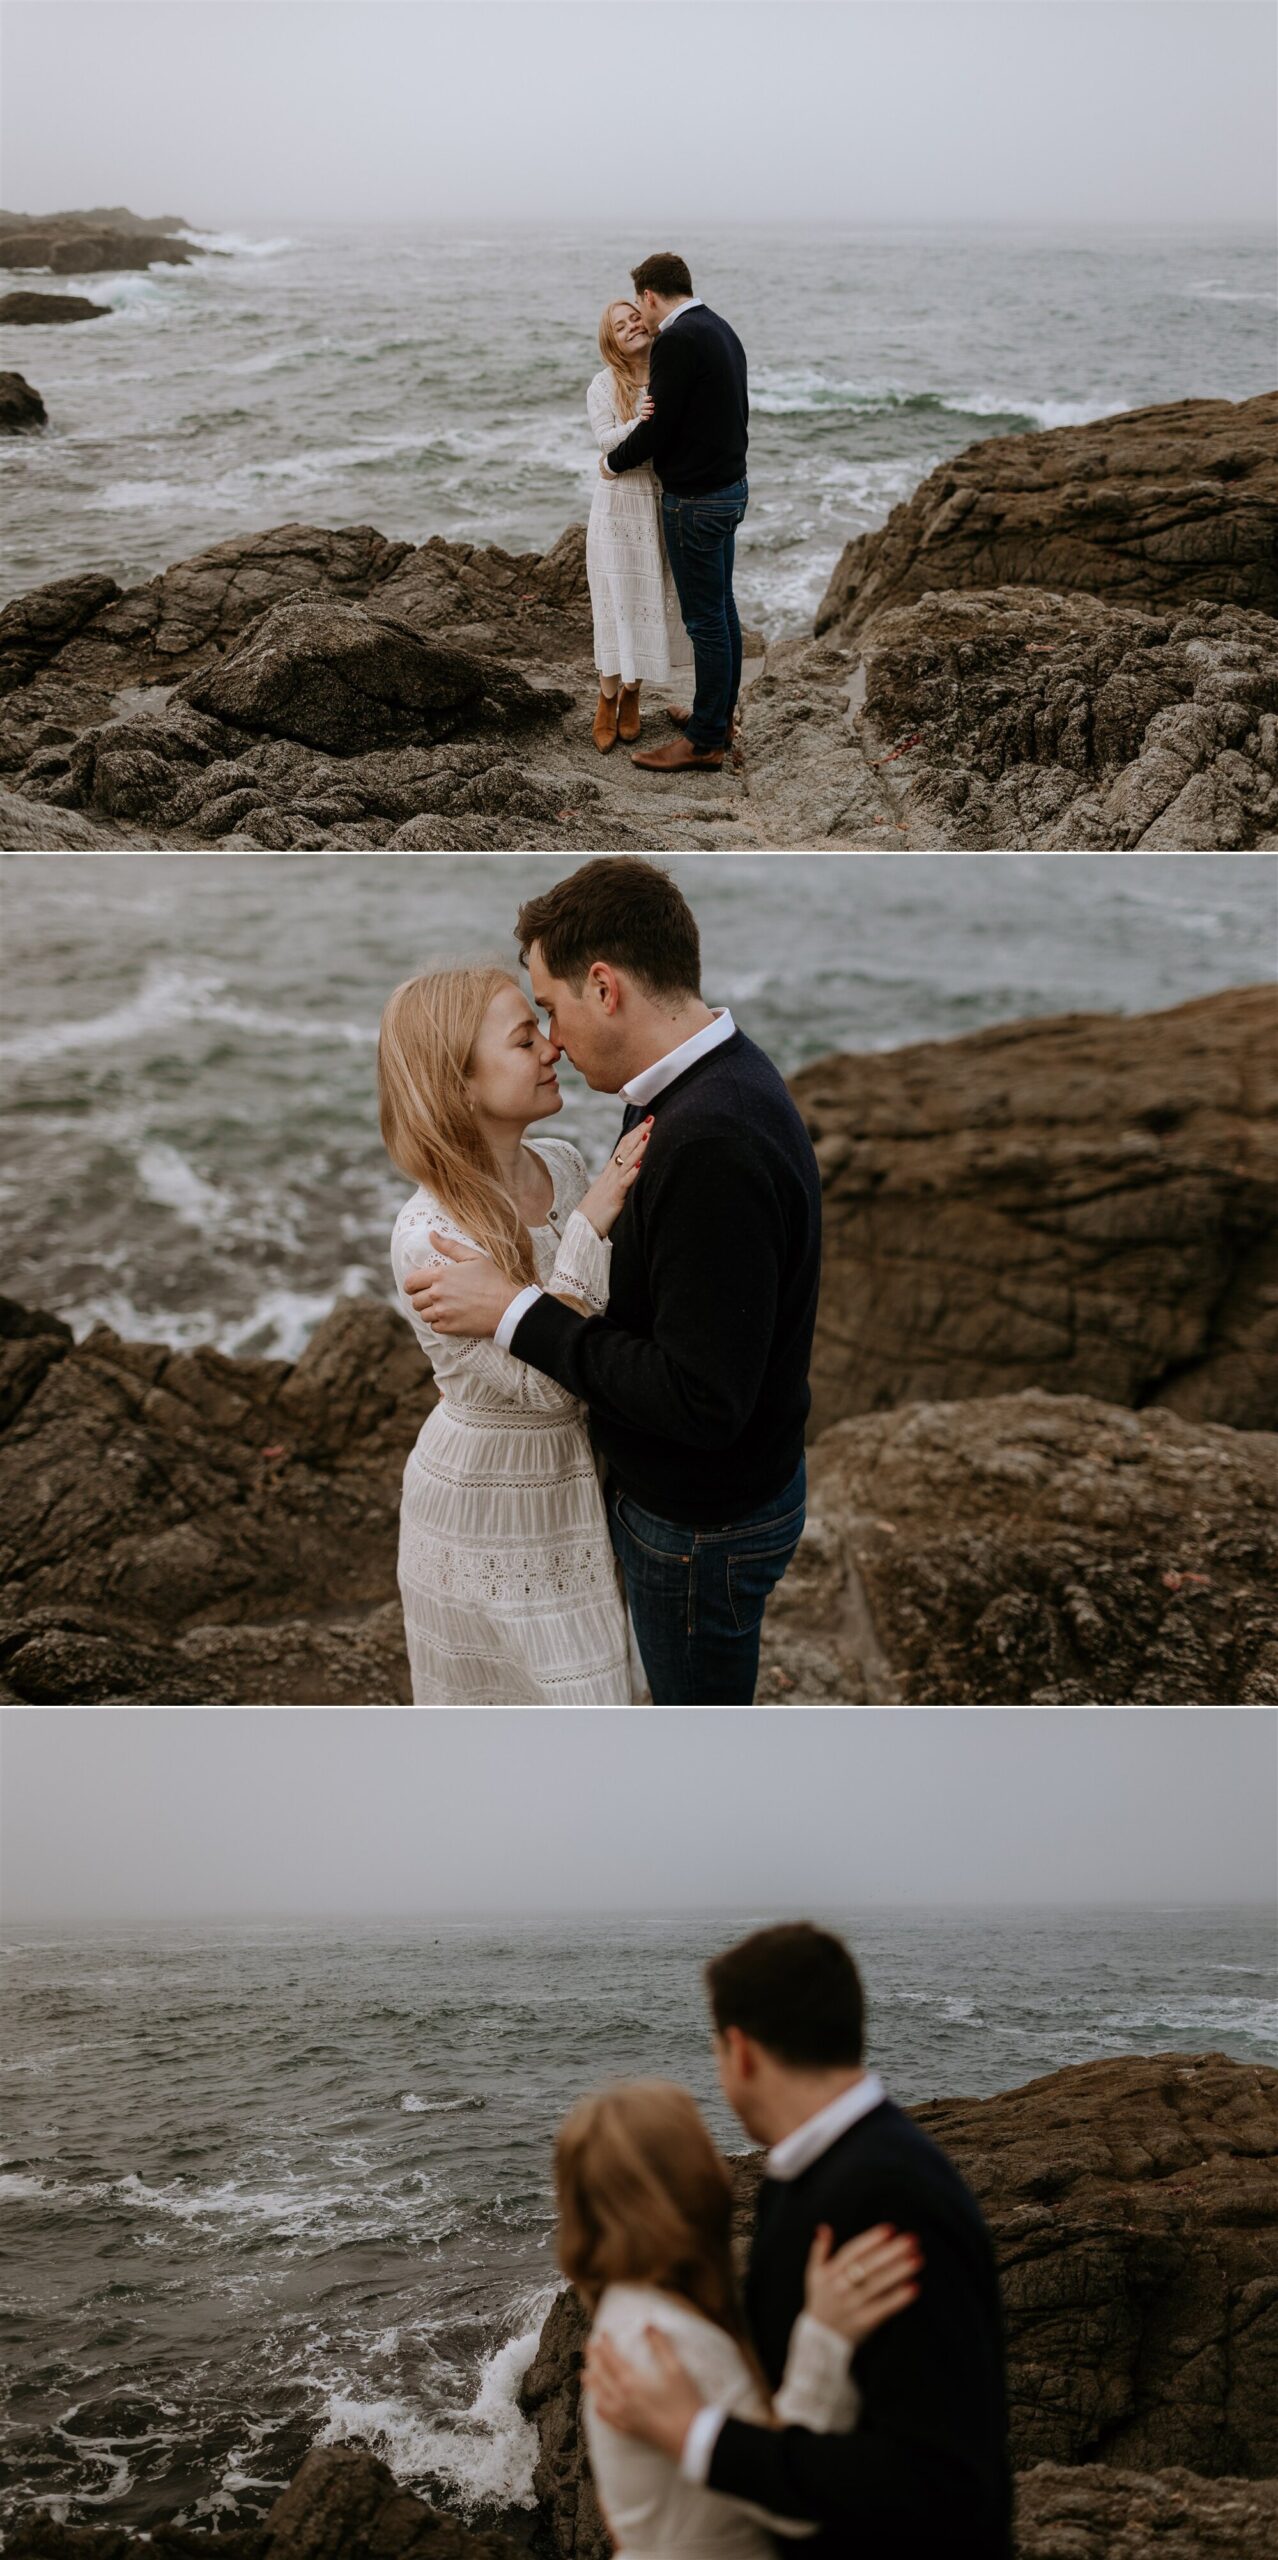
<point x="697" y="1376"/>
<point x="696" y="439"/>
<point x="925" y="2474"/>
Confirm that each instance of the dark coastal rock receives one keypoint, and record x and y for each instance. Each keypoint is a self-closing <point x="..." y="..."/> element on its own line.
<point x="192" y="1527"/>
<point x="1087" y="1203"/>
<point x="1023" y="718"/>
<point x="1159" y="506"/>
<point x="198" y="609"/>
<point x="36" y="626"/>
<point x="100" y="217"/>
<point x="335" y="676"/>
<point x="1133" y="2207"/>
<point x="25" y="310"/>
<point x="343" y="2504"/>
<point x="1041" y="1550"/>
<point x="21" y="408"/>
<point x="87" y="253"/>
<point x="1098" y="2514"/>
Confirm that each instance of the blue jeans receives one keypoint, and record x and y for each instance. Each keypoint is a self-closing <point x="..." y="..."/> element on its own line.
<point x="697" y="1595"/>
<point x="701" y="547"/>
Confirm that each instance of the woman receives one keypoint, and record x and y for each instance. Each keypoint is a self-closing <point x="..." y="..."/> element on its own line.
<point x="509" y="1583"/>
<point x="645" y="2235"/>
<point x="638" y="629"/>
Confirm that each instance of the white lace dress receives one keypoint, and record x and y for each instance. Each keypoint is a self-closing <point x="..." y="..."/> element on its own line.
<point x="639" y="633"/>
<point x="651" y="2509"/>
<point x="511" y="1591"/>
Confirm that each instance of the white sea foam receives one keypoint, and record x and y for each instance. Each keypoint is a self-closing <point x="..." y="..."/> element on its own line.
<point x="167" y="998"/>
<point x="1045" y="413"/>
<point x="233" y="244"/>
<point x="413" y="2106"/>
<point x="168" y="1179"/>
<point x="485" y="2453"/>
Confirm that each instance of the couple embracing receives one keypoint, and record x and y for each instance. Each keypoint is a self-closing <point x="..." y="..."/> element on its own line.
<point x="612" y="1482"/>
<point x="669" y="413"/>
<point x="854" y="2403"/>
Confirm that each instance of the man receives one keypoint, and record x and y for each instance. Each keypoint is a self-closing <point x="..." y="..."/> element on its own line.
<point x="925" y="2473"/>
<point x="696" y="442"/>
<point x="696" y="1378"/>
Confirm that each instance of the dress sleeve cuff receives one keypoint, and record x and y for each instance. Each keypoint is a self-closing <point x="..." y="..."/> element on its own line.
<point x="518" y="1307"/>
<point x="583" y="1264"/>
<point x="699" y="2444"/>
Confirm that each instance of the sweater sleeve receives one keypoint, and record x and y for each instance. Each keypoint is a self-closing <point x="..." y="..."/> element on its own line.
<point x="715" y="1256"/>
<point x="917" y="2466"/>
<point x="669" y="381"/>
<point x="606" y="427"/>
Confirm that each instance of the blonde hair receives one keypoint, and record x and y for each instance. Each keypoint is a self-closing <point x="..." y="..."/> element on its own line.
<point x="424" y="1051"/>
<point x="616" y="359"/>
<point x="645" y="2198"/>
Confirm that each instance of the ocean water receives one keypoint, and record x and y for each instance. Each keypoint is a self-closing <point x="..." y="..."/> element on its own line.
<point x="433" y="382"/>
<point x="273" y="2185"/>
<point x="189" y="1147"/>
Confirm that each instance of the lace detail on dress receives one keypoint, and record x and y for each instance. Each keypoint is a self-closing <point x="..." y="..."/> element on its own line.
<point x="638" y="628"/>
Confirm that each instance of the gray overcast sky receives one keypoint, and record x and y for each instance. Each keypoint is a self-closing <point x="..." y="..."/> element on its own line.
<point x="134" y="1814"/>
<point x="645" y="115"/>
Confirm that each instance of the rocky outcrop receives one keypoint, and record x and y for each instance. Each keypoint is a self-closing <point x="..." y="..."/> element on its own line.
<point x="1069" y="642"/>
<point x="343" y="2504"/>
<point x="1032" y="1550"/>
<point x="190" y="1527"/>
<point x="1098" y="2514"/>
<point x="1164" y="507"/>
<point x="109" y="240"/>
<point x="1022" y="718"/>
<point x="21" y="408"/>
<point x="1133" y="2207"/>
<point x="91" y="253"/>
<point x="37" y="310"/>
<point x="348" y="681"/>
<point x="1087" y="1202"/>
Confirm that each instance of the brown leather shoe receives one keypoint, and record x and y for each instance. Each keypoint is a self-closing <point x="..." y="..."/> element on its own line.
<point x="682" y="713"/>
<point x="628" y="714"/>
<point x="681" y="757"/>
<point x="604" y="731"/>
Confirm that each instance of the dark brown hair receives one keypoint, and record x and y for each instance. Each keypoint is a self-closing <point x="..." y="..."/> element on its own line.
<point x="645" y="2198"/>
<point x="796" y="1990"/>
<point x="665" y="274"/>
<point x="621" y="910"/>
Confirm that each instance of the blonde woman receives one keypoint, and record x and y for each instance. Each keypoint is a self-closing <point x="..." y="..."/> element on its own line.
<point x="638" y="630"/>
<point x="509" y="1583"/>
<point x="645" y="2236"/>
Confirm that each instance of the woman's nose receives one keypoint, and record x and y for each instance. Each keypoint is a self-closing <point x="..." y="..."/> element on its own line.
<point x="553" y="1053"/>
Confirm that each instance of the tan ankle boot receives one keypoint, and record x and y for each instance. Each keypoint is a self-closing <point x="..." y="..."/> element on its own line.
<point x="628" y="714"/>
<point x="604" y="732"/>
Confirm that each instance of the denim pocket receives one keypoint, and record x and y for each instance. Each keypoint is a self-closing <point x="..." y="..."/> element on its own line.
<point x="638" y="1526"/>
<point x="753" y="1576"/>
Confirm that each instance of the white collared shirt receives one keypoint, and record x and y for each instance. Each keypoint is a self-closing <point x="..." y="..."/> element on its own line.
<point x="641" y="1090"/>
<point x="694" y="302"/>
<point x="786" y="2160"/>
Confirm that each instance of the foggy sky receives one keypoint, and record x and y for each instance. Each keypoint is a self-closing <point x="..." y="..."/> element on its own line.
<point x="645" y="115"/>
<point x="187" y="1812"/>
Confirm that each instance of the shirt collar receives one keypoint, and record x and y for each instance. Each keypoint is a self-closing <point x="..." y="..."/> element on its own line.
<point x="645" y="1087"/>
<point x="693" y="303"/>
<point x="790" y="2158"/>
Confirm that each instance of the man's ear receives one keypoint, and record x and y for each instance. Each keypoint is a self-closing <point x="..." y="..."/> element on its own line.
<point x="603" y="987"/>
<point x="743" y="2053"/>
